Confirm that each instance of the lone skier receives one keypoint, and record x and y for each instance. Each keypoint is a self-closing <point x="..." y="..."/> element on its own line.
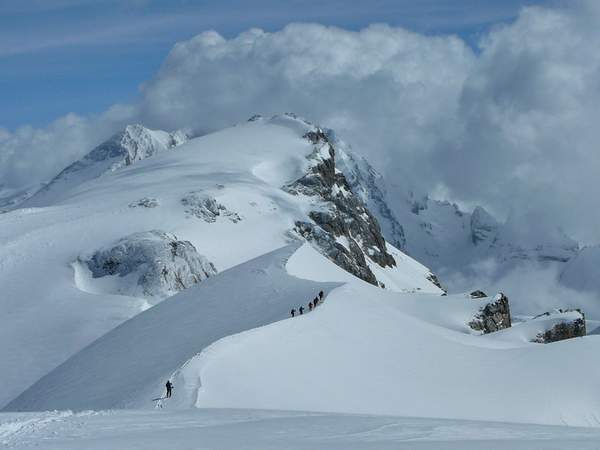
<point x="293" y="312"/>
<point x="169" y="386"/>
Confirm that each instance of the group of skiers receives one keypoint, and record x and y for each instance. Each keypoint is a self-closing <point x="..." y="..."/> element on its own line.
<point x="311" y="305"/>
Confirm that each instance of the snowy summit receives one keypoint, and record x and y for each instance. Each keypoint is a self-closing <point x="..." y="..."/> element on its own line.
<point x="262" y="267"/>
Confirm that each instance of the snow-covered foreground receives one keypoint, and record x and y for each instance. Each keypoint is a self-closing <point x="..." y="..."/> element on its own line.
<point x="364" y="350"/>
<point x="222" y="429"/>
<point x="128" y="366"/>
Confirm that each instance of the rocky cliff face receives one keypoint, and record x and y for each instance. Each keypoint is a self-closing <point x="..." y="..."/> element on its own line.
<point x="152" y="264"/>
<point x="494" y="315"/>
<point x="369" y="186"/>
<point x="571" y="323"/>
<point x="342" y="227"/>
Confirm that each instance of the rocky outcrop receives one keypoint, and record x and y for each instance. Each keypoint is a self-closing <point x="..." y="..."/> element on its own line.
<point x="342" y="228"/>
<point x="493" y="316"/>
<point x="563" y="324"/>
<point x="151" y="264"/>
<point x="368" y="184"/>
<point x="205" y="207"/>
<point x="350" y="259"/>
<point x="145" y="202"/>
<point x="478" y="294"/>
<point x="434" y="280"/>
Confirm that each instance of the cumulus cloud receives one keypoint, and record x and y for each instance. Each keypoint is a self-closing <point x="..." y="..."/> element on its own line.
<point x="392" y="93"/>
<point x="530" y="116"/>
<point x="30" y="156"/>
<point x="531" y="288"/>
<point x="511" y="125"/>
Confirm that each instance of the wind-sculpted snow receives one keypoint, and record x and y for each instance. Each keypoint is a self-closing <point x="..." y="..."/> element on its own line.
<point x="129" y="365"/>
<point x="151" y="264"/>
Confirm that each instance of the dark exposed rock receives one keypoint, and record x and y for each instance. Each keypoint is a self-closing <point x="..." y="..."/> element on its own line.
<point x="352" y="260"/>
<point x="434" y="280"/>
<point x="207" y="208"/>
<point x="478" y="294"/>
<point x="571" y="324"/>
<point x="369" y="186"/>
<point x="493" y="316"/>
<point x="341" y="214"/>
<point x="146" y="202"/>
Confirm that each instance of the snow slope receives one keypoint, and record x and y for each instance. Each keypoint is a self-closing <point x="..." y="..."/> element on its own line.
<point x="128" y="366"/>
<point x="372" y="351"/>
<point x="50" y="311"/>
<point x="276" y="430"/>
<point x="364" y="350"/>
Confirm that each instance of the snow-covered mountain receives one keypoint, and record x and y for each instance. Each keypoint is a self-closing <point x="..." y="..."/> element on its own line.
<point x="186" y="266"/>
<point x="448" y="239"/>
<point x="133" y="144"/>
<point x="215" y="202"/>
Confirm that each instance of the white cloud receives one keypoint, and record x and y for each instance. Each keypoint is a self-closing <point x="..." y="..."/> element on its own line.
<point x="29" y="156"/>
<point x="390" y="92"/>
<point x="530" y="117"/>
<point x="531" y="288"/>
<point x="514" y="125"/>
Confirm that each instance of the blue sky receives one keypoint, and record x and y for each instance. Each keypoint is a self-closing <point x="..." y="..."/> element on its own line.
<point x="61" y="56"/>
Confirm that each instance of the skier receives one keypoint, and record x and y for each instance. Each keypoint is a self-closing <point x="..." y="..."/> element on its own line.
<point x="310" y="306"/>
<point x="321" y="295"/>
<point x="169" y="386"/>
<point x="301" y="309"/>
<point x="293" y="312"/>
<point x="315" y="301"/>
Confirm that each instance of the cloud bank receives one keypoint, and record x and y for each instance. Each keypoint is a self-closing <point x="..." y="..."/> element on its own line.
<point x="513" y="125"/>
